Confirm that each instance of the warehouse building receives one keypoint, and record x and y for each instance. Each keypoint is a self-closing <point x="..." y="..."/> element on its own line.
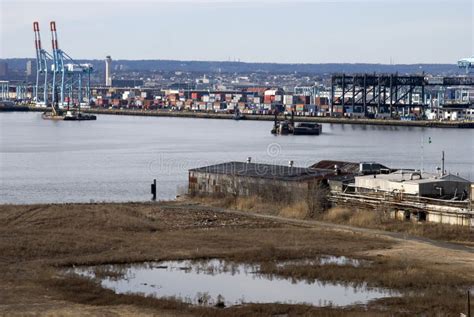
<point x="246" y="179"/>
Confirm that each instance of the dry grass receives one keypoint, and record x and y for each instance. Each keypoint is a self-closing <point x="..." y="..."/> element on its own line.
<point x="296" y="210"/>
<point x="36" y="241"/>
<point x="381" y="220"/>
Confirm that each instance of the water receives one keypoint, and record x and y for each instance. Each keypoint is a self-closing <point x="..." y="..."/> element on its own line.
<point x="116" y="157"/>
<point x="206" y="282"/>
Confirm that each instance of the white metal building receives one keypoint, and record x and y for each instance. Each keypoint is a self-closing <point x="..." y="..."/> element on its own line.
<point x="415" y="183"/>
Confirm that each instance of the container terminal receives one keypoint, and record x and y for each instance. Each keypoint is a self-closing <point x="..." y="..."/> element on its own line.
<point x="59" y="82"/>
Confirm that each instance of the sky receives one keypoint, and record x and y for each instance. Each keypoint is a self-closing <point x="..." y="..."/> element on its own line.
<point x="298" y="31"/>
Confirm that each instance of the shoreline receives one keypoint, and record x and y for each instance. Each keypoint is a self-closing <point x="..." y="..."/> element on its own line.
<point x="255" y="117"/>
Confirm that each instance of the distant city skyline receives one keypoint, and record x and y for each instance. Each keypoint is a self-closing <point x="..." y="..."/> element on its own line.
<point x="349" y="31"/>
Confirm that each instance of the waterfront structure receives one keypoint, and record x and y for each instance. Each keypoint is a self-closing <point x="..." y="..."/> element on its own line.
<point x="4" y="90"/>
<point x="59" y="79"/>
<point x="415" y="183"/>
<point x="108" y="71"/>
<point x="387" y="96"/>
<point x="247" y="179"/>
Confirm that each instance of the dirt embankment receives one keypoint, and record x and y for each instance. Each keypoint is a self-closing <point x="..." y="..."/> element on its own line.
<point x="37" y="241"/>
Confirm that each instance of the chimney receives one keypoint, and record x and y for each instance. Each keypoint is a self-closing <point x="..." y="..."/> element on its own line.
<point x="290" y="163"/>
<point x="249" y="159"/>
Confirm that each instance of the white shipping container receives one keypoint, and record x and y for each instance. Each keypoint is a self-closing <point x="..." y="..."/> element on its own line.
<point x="288" y="99"/>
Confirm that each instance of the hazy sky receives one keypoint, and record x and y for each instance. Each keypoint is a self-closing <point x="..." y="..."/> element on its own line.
<point x="311" y="31"/>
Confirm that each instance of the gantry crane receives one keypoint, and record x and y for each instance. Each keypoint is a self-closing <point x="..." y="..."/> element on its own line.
<point x="43" y="68"/>
<point x="68" y="75"/>
<point x="66" y="84"/>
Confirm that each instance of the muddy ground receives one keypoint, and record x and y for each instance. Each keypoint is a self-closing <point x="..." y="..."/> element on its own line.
<point x="38" y="241"/>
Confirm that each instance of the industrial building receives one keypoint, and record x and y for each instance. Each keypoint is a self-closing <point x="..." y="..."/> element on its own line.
<point x="246" y="179"/>
<point x="406" y="194"/>
<point x="416" y="183"/>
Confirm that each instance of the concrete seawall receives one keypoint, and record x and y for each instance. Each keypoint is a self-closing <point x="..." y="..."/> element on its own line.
<point x="210" y="115"/>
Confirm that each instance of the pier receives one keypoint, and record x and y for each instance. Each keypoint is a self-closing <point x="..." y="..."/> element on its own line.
<point x="261" y="117"/>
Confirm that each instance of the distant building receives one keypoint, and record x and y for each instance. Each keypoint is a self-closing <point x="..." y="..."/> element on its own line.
<point x="3" y="69"/>
<point x="126" y="83"/>
<point x="182" y="86"/>
<point x="29" y="68"/>
<point x="108" y="71"/>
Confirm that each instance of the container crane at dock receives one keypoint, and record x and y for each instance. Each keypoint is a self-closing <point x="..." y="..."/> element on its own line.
<point x="43" y="86"/>
<point x="60" y="80"/>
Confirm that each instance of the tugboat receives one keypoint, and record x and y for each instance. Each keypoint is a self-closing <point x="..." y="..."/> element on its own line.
<point x="286" y="127"/>
<point x="71" y="115"/>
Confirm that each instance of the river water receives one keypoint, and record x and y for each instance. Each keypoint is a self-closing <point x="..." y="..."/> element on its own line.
<point x="116" y="157"/>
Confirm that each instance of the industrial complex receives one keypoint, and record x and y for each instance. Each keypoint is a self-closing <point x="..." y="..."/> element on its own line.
<point x="60" y="80"/>
<point x="405" y="194"/>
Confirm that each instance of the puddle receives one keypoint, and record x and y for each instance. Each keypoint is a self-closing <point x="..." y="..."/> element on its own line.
<point x="213" y="281"/>
<point x="326" y="260"/>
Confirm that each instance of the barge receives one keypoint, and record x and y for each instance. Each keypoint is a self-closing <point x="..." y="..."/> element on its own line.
<point x="286" y="127"/>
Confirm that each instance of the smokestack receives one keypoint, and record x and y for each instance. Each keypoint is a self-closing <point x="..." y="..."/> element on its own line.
<point x="108" y="70"/>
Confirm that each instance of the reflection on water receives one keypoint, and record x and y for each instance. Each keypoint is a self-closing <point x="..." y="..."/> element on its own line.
<point x="325" y="260"/>
<point x="116" y="157"/>
<point x="213" y="281"/>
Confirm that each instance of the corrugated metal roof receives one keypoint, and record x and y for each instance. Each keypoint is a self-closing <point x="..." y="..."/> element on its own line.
<point x="345" y="167"/>
<point x="268" y="171"/>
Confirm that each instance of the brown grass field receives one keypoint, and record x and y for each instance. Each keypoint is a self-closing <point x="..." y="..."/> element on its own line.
<point x="38" y="241"/>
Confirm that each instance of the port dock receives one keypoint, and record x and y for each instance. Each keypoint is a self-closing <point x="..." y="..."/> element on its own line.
<point x="262" y="117"/>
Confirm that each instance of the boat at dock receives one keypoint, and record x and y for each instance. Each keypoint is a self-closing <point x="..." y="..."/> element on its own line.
<point x="52" y="116"/>
<point x="78" y="116"/>
<point x="307" y="128"/>
<point x="68" y="115"/>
